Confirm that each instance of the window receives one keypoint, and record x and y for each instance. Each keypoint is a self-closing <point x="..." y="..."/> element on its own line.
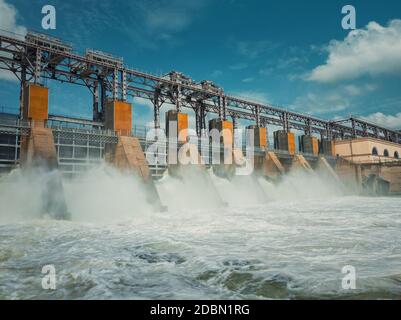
<point x="374" y="151"/>
<point x="396" y="155"/>
<point x="386" y="154"/>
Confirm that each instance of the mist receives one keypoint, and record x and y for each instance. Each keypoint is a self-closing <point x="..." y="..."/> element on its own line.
<point x="104" y="194"/>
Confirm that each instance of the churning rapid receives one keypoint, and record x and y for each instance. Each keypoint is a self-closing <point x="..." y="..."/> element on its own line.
<point x="285" y="241"/>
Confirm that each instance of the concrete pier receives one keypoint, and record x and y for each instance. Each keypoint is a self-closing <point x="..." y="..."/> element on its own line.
<point x="325" y="166"/>
<point x="272" y="167"/>
<point x="299" y="162"/>
<point x="38" y="150"/>
<point x="127" y="155"/>
<point x="225" y="134"/>
<point x="350" y="175"/>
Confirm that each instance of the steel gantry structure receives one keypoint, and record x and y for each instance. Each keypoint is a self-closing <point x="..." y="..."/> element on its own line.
<point x="37" y="57"/>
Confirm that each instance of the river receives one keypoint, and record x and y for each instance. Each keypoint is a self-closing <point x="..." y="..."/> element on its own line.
<point x="289" y="241"/>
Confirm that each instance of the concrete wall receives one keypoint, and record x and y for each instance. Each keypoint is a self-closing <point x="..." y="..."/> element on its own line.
<point x="360" y="150"/>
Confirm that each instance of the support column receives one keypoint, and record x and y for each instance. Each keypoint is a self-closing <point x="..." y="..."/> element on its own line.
<point x="235" y="127"/>
<point x="353" y="128"/>
<point x="224" y="108"/>
<point x="203" y="120"/>
<point x="115" y="85"/>
<point x="22" y="86"/>
<point x="96" y="101"/>
<point x="308" y="129"/>
<point x="257" y="116"/>
<point x="38" y="66"/>
<point x="124" y="85"/>
<point x="198" y="120"/>
<point x="178" y="99"/>
<point x="156" y="110"/>
<point x="103" y="98"/>
<point x="365" y="130"/>
<point x="329" y="132"/>
<point x="286" y="126"/>
<point x="376" y="133"/>
<point x="220" y="104"/>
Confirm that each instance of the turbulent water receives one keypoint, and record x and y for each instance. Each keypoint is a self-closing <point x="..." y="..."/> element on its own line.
<point x="286" y="241"/>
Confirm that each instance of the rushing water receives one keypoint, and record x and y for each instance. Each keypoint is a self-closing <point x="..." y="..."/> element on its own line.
<point x="271" y="242"/>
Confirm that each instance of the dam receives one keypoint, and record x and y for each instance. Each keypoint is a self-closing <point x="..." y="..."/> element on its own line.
<point x="364" y="157"/>
<point x="254" y="202"/>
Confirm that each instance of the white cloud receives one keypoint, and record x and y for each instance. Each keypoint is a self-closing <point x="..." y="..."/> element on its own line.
<point x="247" y="80"/>
<point x="171" y="15"/>
<point x="8" y="76"/>
<point x="388" y="121"/>
<point x="321" y="103"/>
<point x="354" y="90"/>
<point x="147" y="25"/>
<point x="8" y="23"/>
<point x="370" y="51"/>
<point x="8" y="19"/>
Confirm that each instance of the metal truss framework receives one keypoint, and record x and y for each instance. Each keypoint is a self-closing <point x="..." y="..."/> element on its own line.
<point x="39" y="57"/>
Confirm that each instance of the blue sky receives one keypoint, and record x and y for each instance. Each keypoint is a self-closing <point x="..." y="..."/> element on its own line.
<point x="290" y="53"/>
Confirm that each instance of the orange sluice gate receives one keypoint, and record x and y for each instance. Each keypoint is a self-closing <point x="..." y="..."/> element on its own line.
<point x="36" y="102"/>
<point x="226" y="130"/>
<point x="119" y="117"/>
<point x="291" y="143"/>
<point x="284" y="140"/>
<point x="182" y="124"/>
<point x="309" y="144"/>
<point x="259" y="135"/>
<point x="315" y="146"/>
<point x="122" y="117"/>
<point x="262" y="137"/>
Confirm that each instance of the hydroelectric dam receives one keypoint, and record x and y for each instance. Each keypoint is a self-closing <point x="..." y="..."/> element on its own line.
<point x="361" y="156"/>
